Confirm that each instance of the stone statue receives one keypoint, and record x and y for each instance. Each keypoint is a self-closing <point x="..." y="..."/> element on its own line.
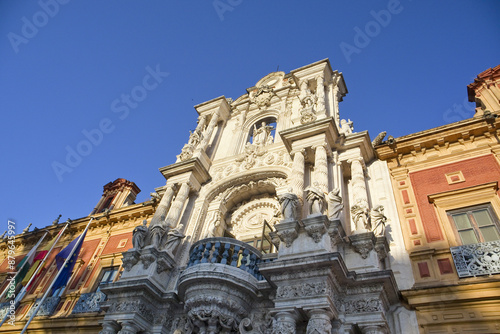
<point x="27" y="229"/>
<point x="346" y="127"/>
<point x="289" y="205"/>
<point x="360" y="217"/>
<point x="316" y="199"/>
<point x="139" y="235"/>
<point x="262" y="135"/>
<point x="378" y="220"/>
<point x="56" y="221"/>
<point x="157" y="232"/>
<point x="174" y="238"/>
<point x="335" y="205"/>
<point x="213" y="227"/>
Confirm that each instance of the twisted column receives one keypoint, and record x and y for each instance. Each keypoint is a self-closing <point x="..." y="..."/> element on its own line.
<point x="298" y="173"/>
<point x="176" y="209"/>
<point x="162" y="209"/>
<point x="321" y="167"/>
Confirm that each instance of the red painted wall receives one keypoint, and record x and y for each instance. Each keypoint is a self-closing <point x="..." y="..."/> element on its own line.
<point x="476" y="171"/>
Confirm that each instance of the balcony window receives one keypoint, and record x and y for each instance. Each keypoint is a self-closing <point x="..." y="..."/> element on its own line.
<point x="475" y="224"/>
<point x="108" y="275"/>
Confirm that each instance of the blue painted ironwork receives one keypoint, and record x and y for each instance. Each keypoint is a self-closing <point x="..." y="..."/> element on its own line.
<point x="234" y="253"/>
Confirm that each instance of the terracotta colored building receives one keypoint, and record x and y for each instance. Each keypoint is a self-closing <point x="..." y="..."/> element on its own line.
<point x="75" y="308"/>
<point x="446" y="184"/>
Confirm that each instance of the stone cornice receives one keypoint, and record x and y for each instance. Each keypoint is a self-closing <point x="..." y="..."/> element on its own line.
<point x="450" y="133"/>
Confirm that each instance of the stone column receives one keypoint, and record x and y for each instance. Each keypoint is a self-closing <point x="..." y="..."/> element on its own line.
<point x="201" y="123"/>
<point x="336" y="114"/>
<point x="109" y="327"/>
<point x="360" y="195"/>
<point x="128" y="327"/>
<point x="284" y="324"/>
<point x="319" y="322"/>
<point x="298" y="174"/>
<point x="210" y="129"/>
<point x="320" y="93"/>
<point x="321" y="167"/>
<point x="162" y="209"/>
<point x="176" y="209"/>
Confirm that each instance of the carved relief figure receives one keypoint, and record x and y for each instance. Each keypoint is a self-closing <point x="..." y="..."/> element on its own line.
<point x="139" y="235"/>
<point x="289" y="205"/>
<point x="316" y="199"/>
<point x="335" y="205"/>
<point x="174" y="238"/>
<point x="378" y="220"/>
<point x="195" y="137"/>
<point x="360" y="217"/>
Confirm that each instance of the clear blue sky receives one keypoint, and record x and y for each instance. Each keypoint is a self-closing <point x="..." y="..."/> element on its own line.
<point x="66" y="68"/>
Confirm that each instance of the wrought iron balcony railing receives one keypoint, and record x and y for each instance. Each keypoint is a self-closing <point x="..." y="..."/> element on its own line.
<point x="228" y="251"/>
<point x="477" y="259"/>
<point x="89" y="302"/>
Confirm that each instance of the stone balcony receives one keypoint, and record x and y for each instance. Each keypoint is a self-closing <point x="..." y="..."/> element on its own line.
<point x="477" y="259"/>
<point x="220" y="284"/>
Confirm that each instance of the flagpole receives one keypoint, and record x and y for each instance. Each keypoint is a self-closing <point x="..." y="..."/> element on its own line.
<point x="22" y="267"/>
<point x="21" y="293"/>
<point x="55" y="279"/>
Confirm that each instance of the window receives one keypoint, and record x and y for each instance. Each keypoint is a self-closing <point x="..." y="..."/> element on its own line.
<point x="108" y="275"/>
<point x="263" y="242"/>
<point x="475" y="224"/>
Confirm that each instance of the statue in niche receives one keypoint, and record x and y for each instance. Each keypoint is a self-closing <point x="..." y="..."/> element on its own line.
<point x="174" y="238"/>
<point x="316" y="199"/>
<point x="289" y="205"/>
<point x="335" y="205"/>
<point x="378" y="220"/>
<point x="262" y="135"/>
<point x="360" y="217"/>
<point x="139" y="235"/>
<point x="346" y="127"/>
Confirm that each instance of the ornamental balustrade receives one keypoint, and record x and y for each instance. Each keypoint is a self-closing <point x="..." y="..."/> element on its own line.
<point x="89" y="302"/>
<point x="48" y="307"/>
<point x="477" y="259"/>
<point x="228" y="251"/>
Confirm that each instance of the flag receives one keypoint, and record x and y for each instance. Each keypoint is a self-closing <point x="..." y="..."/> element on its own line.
<point x="65" y="273"/>
<point x="39" y="259"/>
<point x="24" y="266"/>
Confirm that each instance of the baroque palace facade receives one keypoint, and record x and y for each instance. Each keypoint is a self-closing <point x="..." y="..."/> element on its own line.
<point x="277" y="217"/>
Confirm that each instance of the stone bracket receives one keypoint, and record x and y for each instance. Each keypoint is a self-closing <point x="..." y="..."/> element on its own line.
<point x="363" y="243"/>
<point x="287" y="231"/>
<point x="316" y="227"/>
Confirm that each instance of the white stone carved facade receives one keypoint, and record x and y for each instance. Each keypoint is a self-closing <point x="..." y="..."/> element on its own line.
<point x="266" y="224"/>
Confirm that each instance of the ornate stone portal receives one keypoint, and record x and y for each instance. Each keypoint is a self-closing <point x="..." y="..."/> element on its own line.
<point x="266" y="224"/>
